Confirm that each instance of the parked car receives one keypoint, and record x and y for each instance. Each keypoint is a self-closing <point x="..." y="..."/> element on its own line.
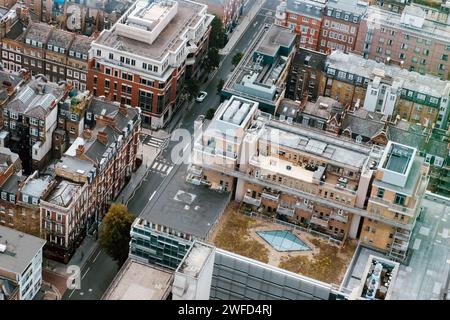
<point x="201" y="96"/>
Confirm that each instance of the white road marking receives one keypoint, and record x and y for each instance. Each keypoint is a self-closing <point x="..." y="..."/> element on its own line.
<point x="154" y="165"/>
<point x="84" y="275"/>
<point x="71" y="293"/>
<point x="152" y="195"/>
<point x="416" y="245"/>
<point x="97" y="256"/>
<point x="170" y="169"/>
<point x="159" y="167"/>
<point x="164" y="168"/>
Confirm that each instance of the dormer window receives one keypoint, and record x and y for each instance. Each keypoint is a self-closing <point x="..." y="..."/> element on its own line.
<point x="50" y="47"/>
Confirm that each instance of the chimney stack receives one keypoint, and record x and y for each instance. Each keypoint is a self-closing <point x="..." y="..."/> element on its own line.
<point x="87" y="133"/>
<point x="123" y="109"/>
<point x="102" y="137"/>
<point x="80" y="150"/>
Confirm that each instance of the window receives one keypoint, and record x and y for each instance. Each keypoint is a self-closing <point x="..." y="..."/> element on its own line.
<point x="380" y="193"/>
<point x="111" y="56"/>
<point x="400" y="199"/>
<point x="24" y="198"/>
<point x="99" y="53"/>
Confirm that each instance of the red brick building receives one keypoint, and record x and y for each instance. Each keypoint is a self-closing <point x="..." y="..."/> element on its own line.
<point x="144" y="64"/>
<point x="340" y="25"/>
<point x="304" y="17"/>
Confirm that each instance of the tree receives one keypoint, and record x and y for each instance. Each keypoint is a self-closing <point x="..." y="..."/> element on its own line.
<point x="220" y="86"/>
<point x="236" y="58"/>
<point x="210" y="113"/>
<point x="115" y="234"/>
<point x="192" y="88"/>
<point x="213" y="59"/>
<point x="217" y="35"/>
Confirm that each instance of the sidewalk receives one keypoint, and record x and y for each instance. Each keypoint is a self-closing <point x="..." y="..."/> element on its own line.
<point x="80" y="257"/>
<point x="244" y="22"/>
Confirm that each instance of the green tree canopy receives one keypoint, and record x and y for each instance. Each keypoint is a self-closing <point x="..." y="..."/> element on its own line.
<point x="210" y="113"/>
<point x="220" y="86"/>
<point x="115" y="233"/>
<point x="213" y="59"/>
<point x="217" y="35"/>
<point x="236" y="58"/>
<point x="192" y="88"/>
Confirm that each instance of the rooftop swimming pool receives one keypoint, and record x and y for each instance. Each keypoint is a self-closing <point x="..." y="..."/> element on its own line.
<point x="283" y="240"/>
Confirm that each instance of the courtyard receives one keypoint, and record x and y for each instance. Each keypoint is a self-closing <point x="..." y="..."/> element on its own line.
<point x="297" y="251"/>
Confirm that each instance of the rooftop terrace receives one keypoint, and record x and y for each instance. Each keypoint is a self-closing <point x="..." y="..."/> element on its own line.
<point x="152" y="29"/>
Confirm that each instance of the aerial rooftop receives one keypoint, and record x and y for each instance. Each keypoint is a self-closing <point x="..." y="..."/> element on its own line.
<point x="36" y="99"/>
<point x="17" y="249"/>
<point x="378" y="279"/>
<point x="151" y="29"/>
<point x="317" y="142"/>
<point x="36" y="186"/>
<point x="195" y="259"/>
<point x="184" y="207"/>
<point x="276" y="38"/>
<point x="140" y="281"/>
<point x="437" y="31"/>
<point x="63" y="193"/>
<point x="366" y="68"/>
<point x="398" y="159"/>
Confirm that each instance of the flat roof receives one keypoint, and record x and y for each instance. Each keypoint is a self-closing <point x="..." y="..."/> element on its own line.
<point x="184" y="207"/>
<point x="317" y="143"/>
<point x="20" y="249"/>
<point x="311" y="8"/>
<point x="276" y="37"/>
<point x="169" y="38"/>
<point x="195" y="259"/>
<point x="36" y="186"/>
<point x="436" y="30"/>
<point x="398" y="158"/>
<point x="408" y="189"/>
<point x="140" y="281"/>
<point x="285" y="168"/>
<point x="411" y="80"/>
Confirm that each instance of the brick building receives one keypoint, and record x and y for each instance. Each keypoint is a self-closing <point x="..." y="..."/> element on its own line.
<point x="44" y="49"/>
<point x="30" y="120"/>
<point x="410" y="39"/>
<point x="304" y="17"/>
<point x="313" y="177"/>
<point x="340" y="25"/>
<point x="143" y="61"/>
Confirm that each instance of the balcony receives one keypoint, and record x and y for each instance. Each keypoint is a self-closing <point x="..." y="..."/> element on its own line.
<point x="403" y="235"/>
<point x="318" y="220"/>
<point x="252" y="201"/>
<point x="306" y="207"/>
<point x="190" y="61"/>
<point x="274" y="196"/>
<point x="341" y="217"/>
<point x="341" y="184"/>
<point x="395" y="207"/>
<point x="286" y="211"/>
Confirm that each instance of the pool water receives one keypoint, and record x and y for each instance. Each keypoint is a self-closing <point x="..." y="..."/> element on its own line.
<point x="283" y="240"/>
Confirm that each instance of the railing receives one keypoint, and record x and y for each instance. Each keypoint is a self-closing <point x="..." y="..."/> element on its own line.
<point x="339" y="217"/>
<point x="324" y="236"/>
<point x="395" y="207"/>
<point x="270" y="196"/>
<point x="303" y="206"/>
<point x="286" y="211"/>
<point x="308" y="196"/>
<point x="252" y="201"/>
<point x="338" y="187"/>
<point x="316" y="219"/>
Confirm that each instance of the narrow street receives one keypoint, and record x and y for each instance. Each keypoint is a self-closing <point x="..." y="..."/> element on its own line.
<point x="100" y="269"/>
